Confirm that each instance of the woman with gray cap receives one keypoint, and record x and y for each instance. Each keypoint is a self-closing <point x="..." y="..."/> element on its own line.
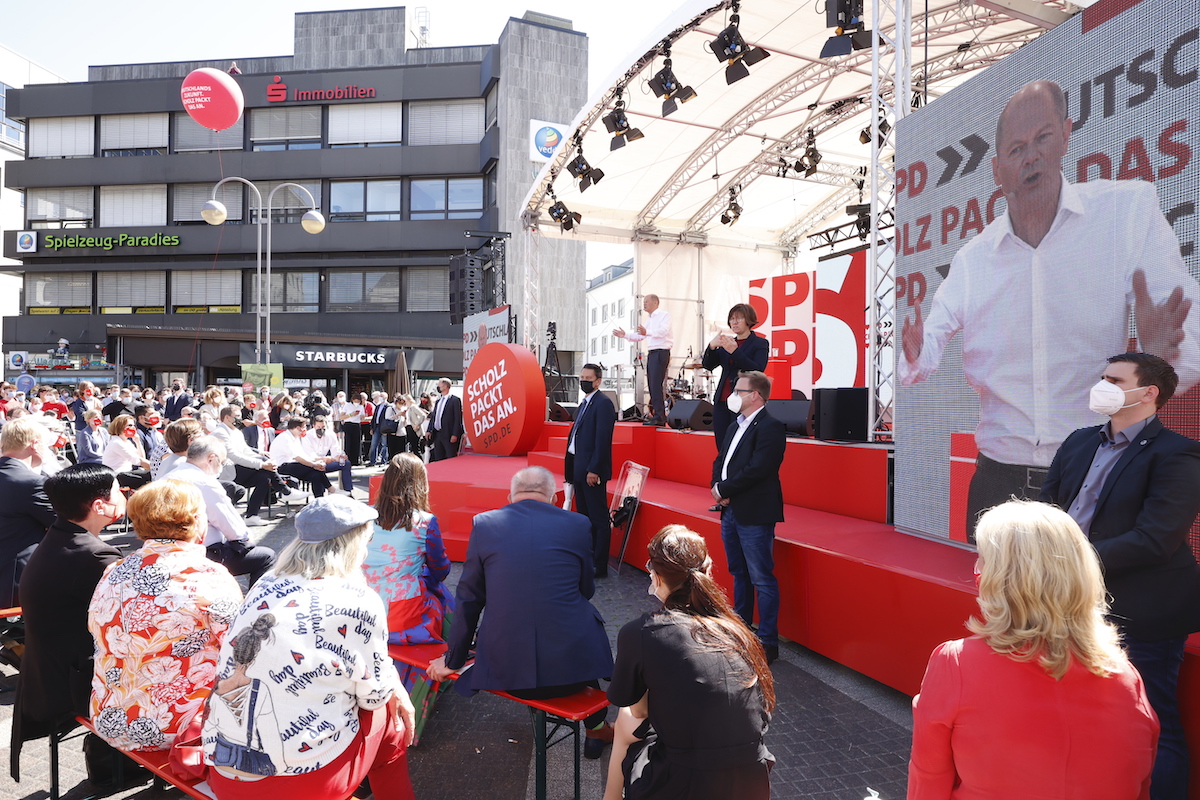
<point x="307" y="703"/>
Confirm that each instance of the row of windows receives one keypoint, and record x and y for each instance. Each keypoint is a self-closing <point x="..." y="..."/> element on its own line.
<point x="441" y="122"/>
<point x="12" y="133"/>
<point x="601" y="345"/>
<point x="356" y="200"/>
<point x="232" y="291"/>
<point x="616" y="308"/>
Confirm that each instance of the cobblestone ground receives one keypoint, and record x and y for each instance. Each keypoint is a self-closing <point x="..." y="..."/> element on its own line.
<point x="834" y="733"/>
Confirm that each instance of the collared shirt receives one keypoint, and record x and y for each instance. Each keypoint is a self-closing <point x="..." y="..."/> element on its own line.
<point x="286" y="448"/>
<point x="224" y="521"/>
<point x="1035" y="322"/>
<point x="1108" y="451"/>
<point x="743" y="422"/>
<point x="578" y="416"/>
<point x="437" y="411"/>
<point x="658" y="331"/>
<point x="321" y="446"/>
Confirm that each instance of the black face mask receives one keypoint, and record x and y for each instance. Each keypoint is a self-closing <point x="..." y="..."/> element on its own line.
<point x="320" y="432"/>
<point x="587" y="386"/>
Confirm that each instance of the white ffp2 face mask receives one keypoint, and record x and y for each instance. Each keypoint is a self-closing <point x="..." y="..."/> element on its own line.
<point x="1108" y="398"/>
<point x="734" y="401"/>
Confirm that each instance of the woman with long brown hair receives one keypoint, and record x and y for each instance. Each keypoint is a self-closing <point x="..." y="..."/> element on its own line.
<point x="407" y="564"/>
<point x="694" y="686"/>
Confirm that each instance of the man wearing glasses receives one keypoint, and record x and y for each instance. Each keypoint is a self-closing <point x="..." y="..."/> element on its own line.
<point x="745" y="483"/>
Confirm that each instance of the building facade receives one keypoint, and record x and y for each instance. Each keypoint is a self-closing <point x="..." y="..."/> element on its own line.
<point x="405" y="150"/>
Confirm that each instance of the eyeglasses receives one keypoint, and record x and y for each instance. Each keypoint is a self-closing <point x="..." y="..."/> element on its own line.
<point x="743" y="391"/>
<point x="649" y="566"/>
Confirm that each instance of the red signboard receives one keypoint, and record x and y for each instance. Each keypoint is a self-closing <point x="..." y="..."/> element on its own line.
<point x="504" y="400"/>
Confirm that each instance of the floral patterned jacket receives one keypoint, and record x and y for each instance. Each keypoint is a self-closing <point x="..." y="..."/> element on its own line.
<point x="158" y="617"/>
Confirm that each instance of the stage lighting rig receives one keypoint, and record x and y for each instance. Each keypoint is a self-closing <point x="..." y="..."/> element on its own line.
<point x="733" y="211"/>
<point x="585" y="172"/>
<point x="811" y="158"/>
<point x="864" y="135"/>
<point x="846" y="18"/>
<point x="664" y="84"/>
<point x="730" y="47"/>
<point x="565" y="217"/>
<point x="862" y="214"/>
<point x="618" y="125"/>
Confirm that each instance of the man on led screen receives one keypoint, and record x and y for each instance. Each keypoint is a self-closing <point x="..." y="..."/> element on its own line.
<point x="1051" y="281"/>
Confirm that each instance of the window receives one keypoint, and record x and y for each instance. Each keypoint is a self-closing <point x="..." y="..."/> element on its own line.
<point x="292" y="128"/>
<point x="621" y="344"/>
<point x="427" y="289"/>
<point x="621" y="308"/>
<point x="364" y="290"/>
<point x="594" y="351"/>
<point x="62" y="137"/>
<point x="603" y="344"/>
<point x="66" y="207"/>
<point x="289" y="203"/>
<point x="355" y="201"/>
<point x="133" y="206"/>
<point x="192" y="137"/>
<point x="490" y="107"/>
<point x="447" y="198"/>
<point x="291" y="292"/>
<point x="133" y="134"/>
<point x="201" y="291"/>
<point x="12" y="133"/>
<point x="604" y="313"/>
<point x="445" y="122"/>
<point x="188" y="198"/>
<point x="593" y="316"/>
<point x="365" y="124"/>
<point x="58" y="290"/>
<point x="132" y="292"/>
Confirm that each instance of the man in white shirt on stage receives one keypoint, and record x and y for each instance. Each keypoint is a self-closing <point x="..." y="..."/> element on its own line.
<point x="656" y="332"/>
<point x="1042" y="289"/>
<point x="293" y="459"/>
<point x="322" y="447"/>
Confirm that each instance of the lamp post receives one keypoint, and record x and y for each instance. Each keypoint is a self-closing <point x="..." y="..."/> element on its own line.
<point x="214" y="213"/>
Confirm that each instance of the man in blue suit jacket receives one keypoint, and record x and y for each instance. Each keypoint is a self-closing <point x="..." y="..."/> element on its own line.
<point x="588" y="466"/>
<point x="745" y="482"/>
<point x="1134" y="488"/>
<point x="530" y="564"/>
<point x="175" y="404"/>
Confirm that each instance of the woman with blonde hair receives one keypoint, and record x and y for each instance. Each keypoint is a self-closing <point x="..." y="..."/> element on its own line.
<point x="158" y="617"/>
<point x="1041" y="701"/>
<point x="694" y="686"/>
<point x="414" y="435"/>
<point x="123" y="453"/>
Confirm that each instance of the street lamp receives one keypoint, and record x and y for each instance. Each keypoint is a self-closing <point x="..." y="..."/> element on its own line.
<point x="214" y="213"/>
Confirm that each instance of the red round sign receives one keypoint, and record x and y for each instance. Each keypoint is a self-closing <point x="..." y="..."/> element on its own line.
<point x="212" y="98"/>
<point x="504" y="400"/>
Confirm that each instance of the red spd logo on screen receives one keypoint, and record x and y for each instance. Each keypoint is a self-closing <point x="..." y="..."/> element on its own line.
<point x="504" y="400"/>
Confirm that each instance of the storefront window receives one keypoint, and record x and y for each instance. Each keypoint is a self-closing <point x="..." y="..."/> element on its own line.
<point x="364" y="290"/>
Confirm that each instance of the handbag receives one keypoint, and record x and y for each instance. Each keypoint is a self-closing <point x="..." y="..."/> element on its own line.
<point x="186" y="757"/>
<point x="243" y="757"/>
<point x="389" y="426"/>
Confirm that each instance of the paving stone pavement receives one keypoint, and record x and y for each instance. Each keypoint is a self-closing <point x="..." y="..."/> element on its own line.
<point x="834" y="732"/>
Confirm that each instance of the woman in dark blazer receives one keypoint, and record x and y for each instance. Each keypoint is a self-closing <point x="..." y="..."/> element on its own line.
<point x="739" y="351"/>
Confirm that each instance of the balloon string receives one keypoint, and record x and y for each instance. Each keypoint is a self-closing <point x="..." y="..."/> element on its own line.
<point x="216" y="254"/>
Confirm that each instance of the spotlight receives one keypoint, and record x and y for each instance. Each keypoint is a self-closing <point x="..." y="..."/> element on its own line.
<point x="665" y="85"/>
<point x="618" y="125"/>
<point x="587" y="174"/>
<point x="846" y="19"/>
<point x="862" y="214"/>
<point x="729" y="46"/>
<point x="811" y="158"/>
<point x="566" y="218"/>
<point x="864" y="135"/>
<point x="733" y="211"/>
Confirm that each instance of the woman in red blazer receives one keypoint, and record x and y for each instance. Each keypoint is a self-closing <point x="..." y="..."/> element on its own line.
<point x="1041" y="702"/>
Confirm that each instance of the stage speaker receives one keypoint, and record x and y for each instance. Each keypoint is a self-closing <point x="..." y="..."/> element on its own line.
<point x="562" y="388"/>
<point x="631" y="414"/>
<point x="792" y="413"/>
<point x="839" y="414"/>
<point x="466" y="287"/>
<point x="563" y="412"/>
<point x="694" y="414"/>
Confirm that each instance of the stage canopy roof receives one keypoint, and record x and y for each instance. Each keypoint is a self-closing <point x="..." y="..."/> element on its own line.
<point x="675" y="183"/>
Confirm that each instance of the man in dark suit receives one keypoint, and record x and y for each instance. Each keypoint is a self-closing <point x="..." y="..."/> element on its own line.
<point x="745" y="483"/>
<point x="530" y="564"/>
<point x="25" y="513"/>
<point x="260" y="435"/>
<point x="56" y="589"/>
<point x="588" y="466"/>
<point x="149" y="429"/>
<point x="445" y="423"/>
<point x="178" y="400"/>
<point x="1134" y="488"/>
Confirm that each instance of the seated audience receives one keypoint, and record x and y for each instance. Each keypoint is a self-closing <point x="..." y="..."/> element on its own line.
<point x="694" y="686"/>
<point x="92" y="439"/>
<point x="251" y="468"/>
<point x="288" y="452"/>
<point x="226" y="540"/>
<point x="178" y="436"/>
<point x="56" y="588"/>
<point x="25" y="513"/>
<point x="298" y="714"/>
<point x="1041" y="701"/>
<point x="149" y="424"/>
<point x="123" y="454"/>
<point x="530" y="564"/>
<point x="158" y="617"/>
<point x="323" y="449"/>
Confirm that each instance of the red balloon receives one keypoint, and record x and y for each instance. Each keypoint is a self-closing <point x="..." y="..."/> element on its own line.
<point x="212" y="98"/>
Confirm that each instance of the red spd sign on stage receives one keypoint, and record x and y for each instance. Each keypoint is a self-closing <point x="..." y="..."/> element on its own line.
<point x="504" y="400"/>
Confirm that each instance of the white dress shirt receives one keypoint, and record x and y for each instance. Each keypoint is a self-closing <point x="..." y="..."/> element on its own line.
<point x="578" y="416"/>
<point x="1037" y="323"/>
<point x="121" y="454"/>
<point x="658" y="331"/>
<point x="321" y="446"/>
<point x="743" y="422"/>
<point x="224" y="522"/>
<point x="286" y="447"/>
